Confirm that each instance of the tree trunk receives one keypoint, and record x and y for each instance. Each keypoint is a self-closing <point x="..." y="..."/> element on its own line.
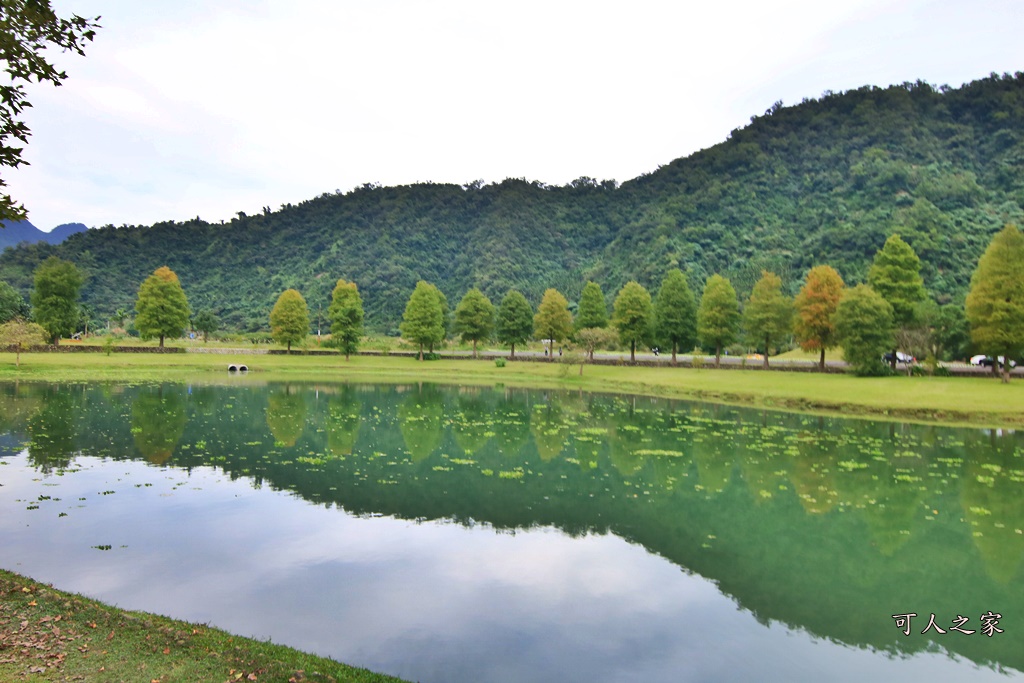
<point x="718" y="355"/>
<point x="513" y="354"/>
<point x="632" y="351"/>
<point x="161" y="341"/>
<point x="289" y="346"/>
<point x="766" y="340"/>
<point x="674" y="346"/>
<point x="892" y="363"/>
<point x="821" y="361"/>
<point x="346" y="356"/>
<point x="1006" y="373"/>
<point x="421" y="350"/>
<point x="474" y="349"/>
<point x="17" y="355"/>
<point x="995" y="366"/>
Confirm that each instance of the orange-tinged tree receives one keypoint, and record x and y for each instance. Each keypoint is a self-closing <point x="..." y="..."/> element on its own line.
<point x="162" y="308"/>
<point x="816" y="304"/>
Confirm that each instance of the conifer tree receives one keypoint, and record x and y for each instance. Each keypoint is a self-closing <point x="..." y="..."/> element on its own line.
<point x="718" y="316"/>
<point x="768" y="315"/>
<point x="423" y="320"/>
<point x="55" y="297"/>
<point x="162" y="308"/>
<point x="995" y="303"/>
<point x="289" y="320"/>
<point x="592" y="310"/>
<point x="346" y="315"/>
<point x="553" y="320"/>
<point x="864" y="326"/>
<point x="896" y="276"/>
<point x="515" y="320"/>
<point x="474" y="317"/>
<point x="633" y="316"/>
<point x="816" y="306"/>
<point x="675" y="313"/>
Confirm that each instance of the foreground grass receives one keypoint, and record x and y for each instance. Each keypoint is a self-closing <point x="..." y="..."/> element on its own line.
<point x="966" y="400"/>
<point x="49" y="635"/>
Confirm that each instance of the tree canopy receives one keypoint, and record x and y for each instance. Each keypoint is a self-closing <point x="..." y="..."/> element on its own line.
<point x="633" y="316"/>
<point x="816" y="304"/>
<point x="30" y="28"/>
<point x="161" y="309"/>
<point x="592" y="310"/>
<point x="675" y="313"/>
<point x="718" y="316"/>
<point x="474" y="317"/>
<point x="995" y="304"/>
<point x="423" y="321"/>
<point x="768" y="315"/>
<point x="346" y="315"/>
<point x="515" y="320"/>
<point x="289" y="319"/>
<point x="553" y="320"/>
<point x="864" y="326"/>
<point x="55" y="297"/>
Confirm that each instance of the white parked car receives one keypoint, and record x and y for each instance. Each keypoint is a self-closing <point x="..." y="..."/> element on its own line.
<point x="986" y="361"/>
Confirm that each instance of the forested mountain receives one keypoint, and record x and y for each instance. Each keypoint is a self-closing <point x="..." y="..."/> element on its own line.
<point x="16" y="232"/>
<point x="825" y="181"/>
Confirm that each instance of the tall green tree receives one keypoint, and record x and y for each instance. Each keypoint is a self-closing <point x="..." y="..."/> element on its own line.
<point x="946" y="329"/>
<point x="768" y="315"/>
<point x="30" y="31"/>
<point x="289" y="319"/>
<point x="423" y="320"/>
<point x="633" y="316"/>
<point x="12" y="304"/>
<point x="553" y="320"/>
<point x="55" y="297"/>
<point x="205" y="323"/>
<point x="816" y="306"/>
<point x="592" y="310"/>
<point x="346" y="315"/>
<point x="865" y="327"/>
<point x="995" y="303"/>
<point x="474" y="317"/>
<point x="718" y="317"/>
<point x="161" y="309"/>
<point x="515" y="320"/>
<point x="896" y="275"/>
<point x="675" y="313"/>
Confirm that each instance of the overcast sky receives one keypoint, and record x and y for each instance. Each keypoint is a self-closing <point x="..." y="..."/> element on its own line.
<point x="206" y="108"/>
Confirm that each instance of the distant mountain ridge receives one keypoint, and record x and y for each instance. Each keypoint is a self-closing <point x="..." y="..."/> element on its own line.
<point x="16" y="232"/>
<point x="825" y="181"/>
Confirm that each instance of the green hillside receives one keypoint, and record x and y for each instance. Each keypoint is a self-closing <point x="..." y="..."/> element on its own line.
<point x="825" y="181"/>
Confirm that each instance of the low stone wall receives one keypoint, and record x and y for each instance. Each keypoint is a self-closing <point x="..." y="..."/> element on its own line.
<point x="77" y="348"/>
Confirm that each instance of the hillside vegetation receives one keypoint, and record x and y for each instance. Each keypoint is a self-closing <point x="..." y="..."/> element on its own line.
<point x="825" y="181"/>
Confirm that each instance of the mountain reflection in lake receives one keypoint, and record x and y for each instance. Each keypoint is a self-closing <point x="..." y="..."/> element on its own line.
<point x="481" y="534"/>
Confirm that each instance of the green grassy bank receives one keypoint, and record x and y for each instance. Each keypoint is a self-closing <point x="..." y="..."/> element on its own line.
<point x="961" y="400"/>
<point x="49" y="635"/>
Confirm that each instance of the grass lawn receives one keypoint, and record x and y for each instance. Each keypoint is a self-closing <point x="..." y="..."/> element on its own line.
<point x="49" y="635"/>
<point x="974" y="400"/>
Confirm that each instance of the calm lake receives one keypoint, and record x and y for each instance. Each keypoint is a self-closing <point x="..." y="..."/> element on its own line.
<point x="477" y="534"/>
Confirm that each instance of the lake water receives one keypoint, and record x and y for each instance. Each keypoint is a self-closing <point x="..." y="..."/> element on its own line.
<point x="478" y="534"/>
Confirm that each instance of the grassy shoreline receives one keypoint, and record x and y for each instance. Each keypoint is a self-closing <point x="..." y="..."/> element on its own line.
<point x="979" y="401"/>
<point x="50" y="635"/>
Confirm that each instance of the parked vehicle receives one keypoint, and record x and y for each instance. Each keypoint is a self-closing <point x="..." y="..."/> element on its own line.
<point x="986" y="361"/>
<point x="900" y="357"/>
